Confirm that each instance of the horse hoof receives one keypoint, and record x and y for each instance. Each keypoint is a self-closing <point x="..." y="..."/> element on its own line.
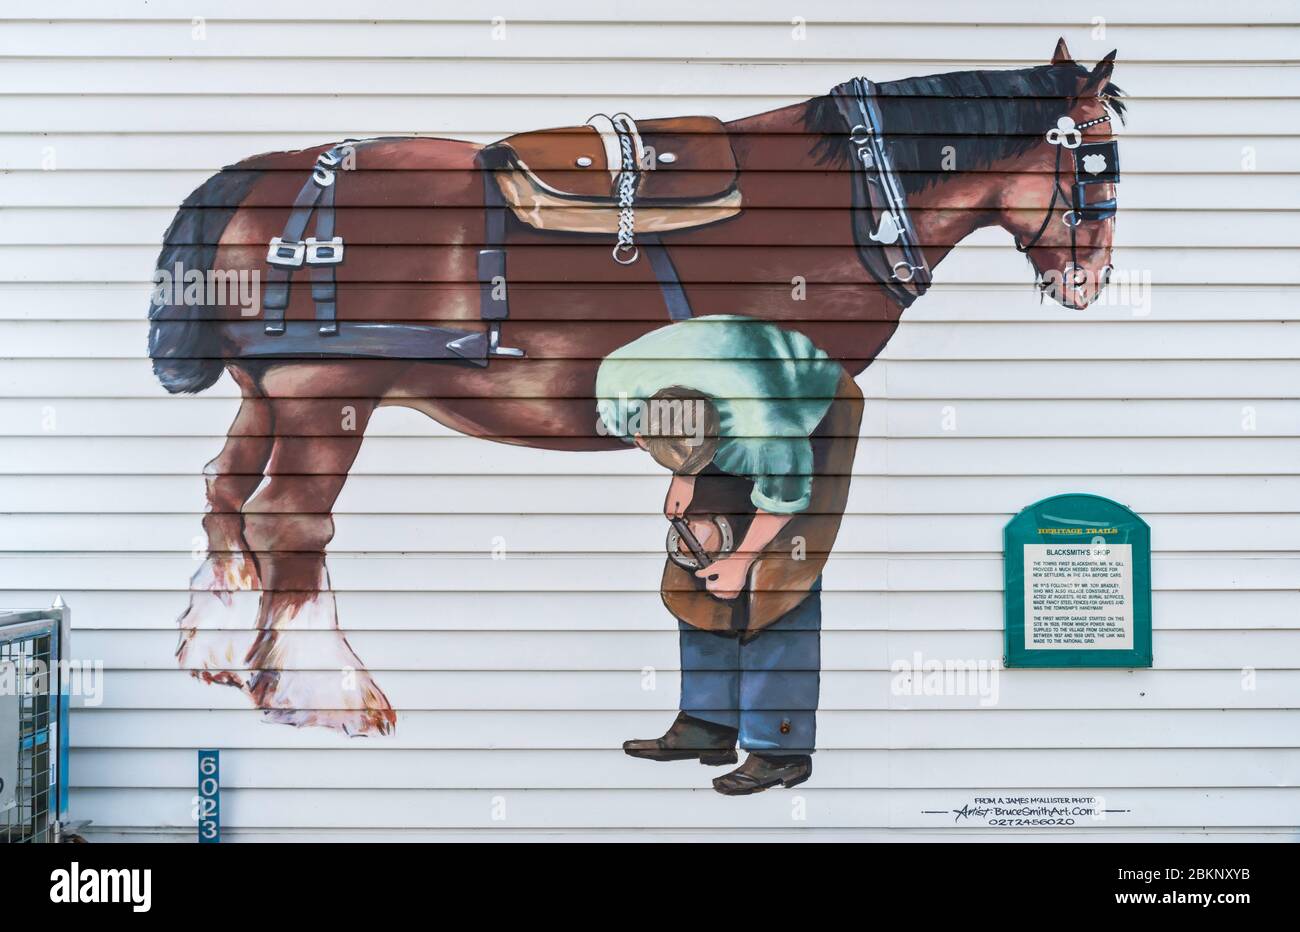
<point x="354" y="724"/>
<point x="216" y="630"/>
<point x="214" y="656"/>
<point x="220" y="678"/>
<point x="353" y="704"/>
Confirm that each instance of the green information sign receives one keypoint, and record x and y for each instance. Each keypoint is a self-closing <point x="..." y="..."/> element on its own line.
<point x="1077" y="570"/>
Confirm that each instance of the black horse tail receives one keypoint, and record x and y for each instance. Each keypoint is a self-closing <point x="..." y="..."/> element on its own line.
<point x="186" y="347"/>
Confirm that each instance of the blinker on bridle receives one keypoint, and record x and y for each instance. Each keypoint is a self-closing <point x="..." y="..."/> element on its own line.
<point x="1094" y="163"/>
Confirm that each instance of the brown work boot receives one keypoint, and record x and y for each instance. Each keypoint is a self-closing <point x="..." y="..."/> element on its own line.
<point x="687" y="739"/>
<point x="763" y="771"/>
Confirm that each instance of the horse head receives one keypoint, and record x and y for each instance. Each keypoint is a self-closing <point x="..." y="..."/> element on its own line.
<point x="1061" y="205"/>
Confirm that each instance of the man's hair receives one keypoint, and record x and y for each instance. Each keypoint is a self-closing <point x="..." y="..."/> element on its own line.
<point x="682" y="429"/>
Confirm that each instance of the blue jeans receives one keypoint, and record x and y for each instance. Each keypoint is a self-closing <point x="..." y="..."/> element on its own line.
<point x="766" y="688"/>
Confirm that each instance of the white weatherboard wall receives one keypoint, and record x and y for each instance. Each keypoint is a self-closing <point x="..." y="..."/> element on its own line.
<point x="526" y="674"/>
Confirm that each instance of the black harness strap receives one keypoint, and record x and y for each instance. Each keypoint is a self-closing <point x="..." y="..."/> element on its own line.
<point x="291" y="251"/>
<point x="357" y="339"/>
<point x="492" y="267"/>
<point x="882" y="228"/>
<point x="670" y="286"/>
<point x="323" y="287"/>
<point x="287" y="253"/>
<point x="1047" y="217"/>
<point x="492" y="260"/>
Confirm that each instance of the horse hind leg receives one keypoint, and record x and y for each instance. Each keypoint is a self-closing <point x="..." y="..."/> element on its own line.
<point x="304" y="670"/>
<point x="218" y="628"/>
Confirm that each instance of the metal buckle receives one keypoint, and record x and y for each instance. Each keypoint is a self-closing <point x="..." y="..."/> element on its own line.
<point x="494" y="343"/>
<point x="323" y="252"/>
<point x="287" y="254"/>
<point x="1070" y="138"/>
<point x="911" y="271"/>
<point x="1065" y="133"/>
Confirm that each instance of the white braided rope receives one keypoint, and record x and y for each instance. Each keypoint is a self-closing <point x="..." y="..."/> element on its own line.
<point x="625" y="253"/>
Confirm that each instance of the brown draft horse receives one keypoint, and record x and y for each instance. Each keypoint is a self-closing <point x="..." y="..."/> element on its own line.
<point x="412" y="211"/>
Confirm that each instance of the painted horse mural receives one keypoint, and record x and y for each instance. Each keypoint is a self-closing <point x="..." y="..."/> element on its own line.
<point x="484" y="286"/>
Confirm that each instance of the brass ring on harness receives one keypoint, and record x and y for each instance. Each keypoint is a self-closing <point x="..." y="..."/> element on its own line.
<point x="911" y="271"/>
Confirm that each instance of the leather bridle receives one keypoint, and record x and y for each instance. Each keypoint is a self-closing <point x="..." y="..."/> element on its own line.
<point x="882" y="229"/>
<point x="1094" y="163"/>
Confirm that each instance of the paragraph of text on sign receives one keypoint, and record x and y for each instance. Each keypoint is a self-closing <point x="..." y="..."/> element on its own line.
<point x="1079" y="597"/>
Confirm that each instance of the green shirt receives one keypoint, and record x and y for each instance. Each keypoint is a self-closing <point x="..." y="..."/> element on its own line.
<point x="771" y="388"/>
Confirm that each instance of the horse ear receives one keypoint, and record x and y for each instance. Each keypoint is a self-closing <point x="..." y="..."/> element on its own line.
<point x="1101" y="74"/>
<point x="1062" y="54"/>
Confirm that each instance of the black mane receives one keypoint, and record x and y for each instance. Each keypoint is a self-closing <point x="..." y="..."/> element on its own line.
<point x="984" y="116"/>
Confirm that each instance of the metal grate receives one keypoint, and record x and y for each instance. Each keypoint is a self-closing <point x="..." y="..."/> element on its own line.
<point x="31" y="642"/>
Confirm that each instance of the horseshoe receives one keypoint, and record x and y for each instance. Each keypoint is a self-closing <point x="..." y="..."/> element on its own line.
<point x="679" y="531"/>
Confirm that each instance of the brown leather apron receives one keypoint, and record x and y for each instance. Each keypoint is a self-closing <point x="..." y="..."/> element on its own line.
<point x="781" y="578"/>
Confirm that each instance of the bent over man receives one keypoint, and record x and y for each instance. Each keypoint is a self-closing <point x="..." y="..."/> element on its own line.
<point x="758" y="426"/>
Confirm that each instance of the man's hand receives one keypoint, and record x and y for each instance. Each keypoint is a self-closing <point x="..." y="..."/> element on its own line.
<point x="680" y="493"/>
<point x="726" y="578"/>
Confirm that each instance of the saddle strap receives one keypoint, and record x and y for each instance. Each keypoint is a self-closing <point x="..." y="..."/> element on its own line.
<point x="324" y="287"/>
<point x="494" y="307"/>
<point x="492" y="259"/>
<point x="670" y="286"/>
<point x="290" y="251"/>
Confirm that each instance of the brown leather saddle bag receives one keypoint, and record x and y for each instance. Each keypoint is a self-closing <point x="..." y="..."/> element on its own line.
<point x="567" y="179"/>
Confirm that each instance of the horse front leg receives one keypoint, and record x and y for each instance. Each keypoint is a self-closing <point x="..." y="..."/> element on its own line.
<point x="218" y="627"/>
<point x="305" y="672"/>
